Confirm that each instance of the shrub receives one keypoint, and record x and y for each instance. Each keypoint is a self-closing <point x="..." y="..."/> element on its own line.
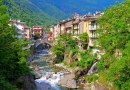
<point x="91" y="78"/>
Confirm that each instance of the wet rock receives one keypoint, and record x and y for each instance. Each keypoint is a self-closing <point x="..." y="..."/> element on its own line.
<point x="37" y="75"/>
<point x="55" y="72"/>
<point x="26" y="82"/>
<point x="68" y="81"/>
<point x="31" y="68"/>
<point x="48" y="76"/>
<point x="51" y="73"/>
<point x="36" y="69"/>
<point x="44" y="86"/>
<point x="55" y="77"/>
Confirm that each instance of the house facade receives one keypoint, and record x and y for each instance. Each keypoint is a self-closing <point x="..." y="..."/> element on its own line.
<point x="27" y="33"/>
<point x="23" y="31"/>
<point x="55" y="29"/>
<point x="68" y="27"/>
<point x="37" y="29"/>
<point x="77" y="26"/>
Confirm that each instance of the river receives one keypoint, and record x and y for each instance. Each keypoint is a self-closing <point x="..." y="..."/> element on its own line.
<point x="50" y="75"/>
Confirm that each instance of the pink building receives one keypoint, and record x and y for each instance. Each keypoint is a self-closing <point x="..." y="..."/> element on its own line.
<point x="37" y="29"/>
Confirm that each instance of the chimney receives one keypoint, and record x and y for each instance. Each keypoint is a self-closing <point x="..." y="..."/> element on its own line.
<point x="75" y="15"/>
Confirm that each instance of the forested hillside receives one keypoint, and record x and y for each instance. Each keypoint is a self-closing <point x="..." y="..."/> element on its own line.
<point x="29" y="13"/>
<point x="48" y="12"/>
<point x="50" y="9"/>
<point x="70" y="6"/>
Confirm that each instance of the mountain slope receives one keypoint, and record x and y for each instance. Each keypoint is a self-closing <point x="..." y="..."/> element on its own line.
<point x="48" y="12"/>
<point x="28" y="12"/>
<point x="50" y="9"/>
<point x="79" y="6"/>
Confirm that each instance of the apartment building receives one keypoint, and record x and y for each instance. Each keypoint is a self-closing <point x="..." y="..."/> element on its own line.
<point x="23" y="31"/>
<point x="68" y="26"/>
<point x="78" y="25"/>
<point x="27" y="33"/>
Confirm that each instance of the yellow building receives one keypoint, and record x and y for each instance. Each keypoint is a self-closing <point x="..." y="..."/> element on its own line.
<point x="90" y="27"/>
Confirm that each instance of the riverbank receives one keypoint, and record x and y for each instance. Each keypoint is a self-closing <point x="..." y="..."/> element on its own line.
<point x="45" y="74"/>
<point x="55" y="75"/>
<point x="81" y="82"/>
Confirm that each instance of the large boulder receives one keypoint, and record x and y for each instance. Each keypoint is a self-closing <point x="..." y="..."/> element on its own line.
<point x="68" y="81"/>
<point x="26" y="82"/>
<point x="43" y="86"/>
<point x="37" y="75"/>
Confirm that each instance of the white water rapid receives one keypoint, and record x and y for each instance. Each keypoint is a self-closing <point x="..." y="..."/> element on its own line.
<point x="49" y="76"/>
<point x="93" y="69"/>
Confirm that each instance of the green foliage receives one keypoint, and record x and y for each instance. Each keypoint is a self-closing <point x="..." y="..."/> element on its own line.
<point x="84" y="36"/>
<point x="72" y="43"/>
<point x="119" y="71"/>
<point x="48" y="8"/>
<point x="84" y="39"/>
<point x="65" y="43"/>
<point x="92" y="78"/>
<point x="13" y="57"/>
<point x="68" y="41"/>
<point x="20" y="81"/>
<point x="113" y="35"/>
<point x="74" y="50"/>
<point x="72" y="65"/>
<point x="64" y="62"/>
<point x="37" y="36"/>
<point x="115" y="27"/>
<point x="5" y="85"/>
<point x="71" y="6"/>
<point x="86" y="59"/>
<point x="76" y="75"/>
<point x="58" y="49"/>
<point x="106" y="60"/>
<point x="29" y="13"/>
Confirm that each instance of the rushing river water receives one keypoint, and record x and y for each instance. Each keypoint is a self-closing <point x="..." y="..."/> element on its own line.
<point x="50" y="75"/>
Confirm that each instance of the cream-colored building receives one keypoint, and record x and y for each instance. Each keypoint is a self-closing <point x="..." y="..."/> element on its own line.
<point x="68" y="26"/>
<point x="78" y="25"/>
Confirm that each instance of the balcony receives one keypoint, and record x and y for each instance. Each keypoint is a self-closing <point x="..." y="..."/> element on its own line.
<point x="93" y="26"/>
<point x="92" y="34"/>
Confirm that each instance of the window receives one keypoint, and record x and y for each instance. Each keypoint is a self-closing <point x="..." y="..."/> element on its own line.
<point x="92" y="41"/>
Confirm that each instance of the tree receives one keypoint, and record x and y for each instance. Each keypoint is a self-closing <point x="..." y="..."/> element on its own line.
<point x="114" y="34"/>
<point x="114" y="27"/>
<point x="64" y="42"/>
<point x="12" y="56"/>
<point x="37" y="36"/>
<point x="58" y="50"/>
<point x="84" y="38"/>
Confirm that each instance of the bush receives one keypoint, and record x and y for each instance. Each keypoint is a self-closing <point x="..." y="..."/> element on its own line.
<point x="6" y="85"/>
<point x="92" y="78"/>
<point x="76" y="75"/>
<point x="71" y="65"/>
<point x="64" y="62"/>
<point x="86" y="60"/>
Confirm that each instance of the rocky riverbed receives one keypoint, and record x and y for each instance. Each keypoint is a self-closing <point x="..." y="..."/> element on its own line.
<point x="50" y="77"/>
<point x="58" y="76"/>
